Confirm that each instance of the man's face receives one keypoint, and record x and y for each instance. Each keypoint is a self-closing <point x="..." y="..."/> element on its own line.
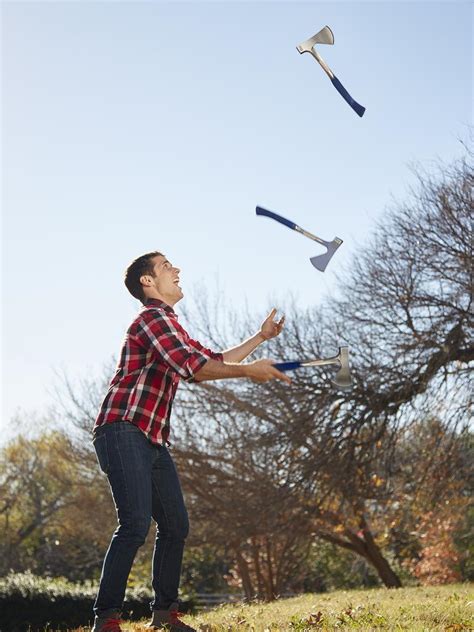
<point x="166" y="280"/>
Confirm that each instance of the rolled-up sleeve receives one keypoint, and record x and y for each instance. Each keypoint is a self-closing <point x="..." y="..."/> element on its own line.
<point x="171" y="344"/>
<point x="212" y="355"/>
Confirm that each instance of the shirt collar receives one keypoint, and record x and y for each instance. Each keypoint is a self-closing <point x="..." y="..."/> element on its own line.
<point x="155" y="302"/>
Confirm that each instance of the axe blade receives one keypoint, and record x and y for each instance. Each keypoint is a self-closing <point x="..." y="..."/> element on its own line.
<point x="324" y="36"/>
<point x="343" y="377"/>
<point x="320" y="262"/>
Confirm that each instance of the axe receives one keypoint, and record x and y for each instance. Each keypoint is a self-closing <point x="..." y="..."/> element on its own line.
<point x="343" y="376"/>
<point x="320" y="261"/>
<point x="325" y="36"/>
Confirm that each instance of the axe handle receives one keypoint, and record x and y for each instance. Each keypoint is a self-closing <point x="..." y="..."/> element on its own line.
<point x="287" y="366"/>
<point x="262" y="211"/>
<point x="358" y="109"/>
<point x="322" y="362"/>
<point x="311" y="236"/>
<point x="286" y="222"/>
<point x="290" y="366"/>
<point x="322" y="63"/>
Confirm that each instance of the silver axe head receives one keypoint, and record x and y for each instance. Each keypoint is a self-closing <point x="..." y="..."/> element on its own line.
<point x="324" y="36"/>
<point x="321" y="261"/>
<point x="343" y="376"/>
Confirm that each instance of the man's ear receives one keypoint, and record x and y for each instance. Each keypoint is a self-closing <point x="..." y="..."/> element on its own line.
<point x="146" y="280"/>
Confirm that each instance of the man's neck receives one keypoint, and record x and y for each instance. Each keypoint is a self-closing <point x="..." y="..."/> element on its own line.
<point x="158" y="297"/>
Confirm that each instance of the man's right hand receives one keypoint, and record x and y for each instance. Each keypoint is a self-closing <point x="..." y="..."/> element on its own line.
<point x="264" y="371"/>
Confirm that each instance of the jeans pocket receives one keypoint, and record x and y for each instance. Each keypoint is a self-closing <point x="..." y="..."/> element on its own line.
<point x="100" y="446"/>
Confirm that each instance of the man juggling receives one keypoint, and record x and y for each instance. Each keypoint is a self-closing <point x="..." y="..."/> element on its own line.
<point x="132" y="430"/>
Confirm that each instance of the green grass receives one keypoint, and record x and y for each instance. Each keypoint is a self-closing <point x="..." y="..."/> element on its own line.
<point x="448" y="608"/>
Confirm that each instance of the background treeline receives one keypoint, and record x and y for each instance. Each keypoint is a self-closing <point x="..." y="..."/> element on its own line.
<point x="297" y="488"/>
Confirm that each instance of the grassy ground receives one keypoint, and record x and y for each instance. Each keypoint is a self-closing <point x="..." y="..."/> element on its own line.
<point x="447" y="608"/>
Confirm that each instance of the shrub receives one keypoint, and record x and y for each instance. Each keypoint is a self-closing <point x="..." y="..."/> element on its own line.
<point x="28" y="602"/>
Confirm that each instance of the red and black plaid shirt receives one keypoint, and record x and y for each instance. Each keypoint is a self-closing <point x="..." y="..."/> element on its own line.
<point x="156" y="353"/>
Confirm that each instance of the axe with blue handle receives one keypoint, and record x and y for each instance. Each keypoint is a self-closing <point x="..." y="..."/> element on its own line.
<point x="343" y="376"/>
<point x="320" y="261"/>
<point x="325" y="36"/>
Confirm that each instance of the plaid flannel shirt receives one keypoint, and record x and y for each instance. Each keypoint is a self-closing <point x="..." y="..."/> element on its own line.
<point x="155" y="354"/>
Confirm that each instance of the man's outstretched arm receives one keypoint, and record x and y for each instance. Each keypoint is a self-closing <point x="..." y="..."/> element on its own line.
<point x="269" y="329"/>
<point x="257" y="371"/>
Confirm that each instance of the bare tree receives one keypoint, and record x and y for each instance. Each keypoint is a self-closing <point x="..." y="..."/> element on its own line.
<point x="404" y="309"/>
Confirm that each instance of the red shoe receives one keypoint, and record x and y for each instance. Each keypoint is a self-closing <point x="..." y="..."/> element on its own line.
<point x="169" y="620"/>
<point x="106" y="624"/>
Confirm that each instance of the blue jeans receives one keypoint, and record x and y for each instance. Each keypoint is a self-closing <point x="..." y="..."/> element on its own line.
<point x="145" y="485"/>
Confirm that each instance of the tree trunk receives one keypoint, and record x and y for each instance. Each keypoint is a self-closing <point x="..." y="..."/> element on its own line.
<point x="258" y="572"/>
<point x="368" y="549"/>
<point x="244" y="575"/>
<point x="375" y="557"/>
<point x="271" y="583"/>
<point x="386" y="574"/>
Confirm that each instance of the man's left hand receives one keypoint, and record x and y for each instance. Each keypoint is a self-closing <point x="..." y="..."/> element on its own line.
<point x="270" y="327"/>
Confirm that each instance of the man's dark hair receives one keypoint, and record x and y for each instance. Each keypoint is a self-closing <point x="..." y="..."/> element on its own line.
<point x="142" y="265"/>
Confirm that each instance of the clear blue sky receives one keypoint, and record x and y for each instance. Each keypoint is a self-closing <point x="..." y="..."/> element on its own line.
<point x="130" y="126"/>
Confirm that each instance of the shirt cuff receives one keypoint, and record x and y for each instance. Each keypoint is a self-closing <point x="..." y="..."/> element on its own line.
<point x="195" y="363"/>
<point x="199" y="361"/>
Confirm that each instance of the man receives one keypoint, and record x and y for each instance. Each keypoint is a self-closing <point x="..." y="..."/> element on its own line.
<point x="131" y="436"/>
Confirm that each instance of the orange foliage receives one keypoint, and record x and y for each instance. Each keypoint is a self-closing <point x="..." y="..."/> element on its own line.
<point x="439" y="561"/>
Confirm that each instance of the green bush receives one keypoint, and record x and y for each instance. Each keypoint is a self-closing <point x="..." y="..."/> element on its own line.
<point x="28" y="602"/>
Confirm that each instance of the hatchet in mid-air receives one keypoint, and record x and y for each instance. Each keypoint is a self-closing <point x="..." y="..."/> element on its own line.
<point x="320" y="261"/>
<point x="326" y="36"/>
